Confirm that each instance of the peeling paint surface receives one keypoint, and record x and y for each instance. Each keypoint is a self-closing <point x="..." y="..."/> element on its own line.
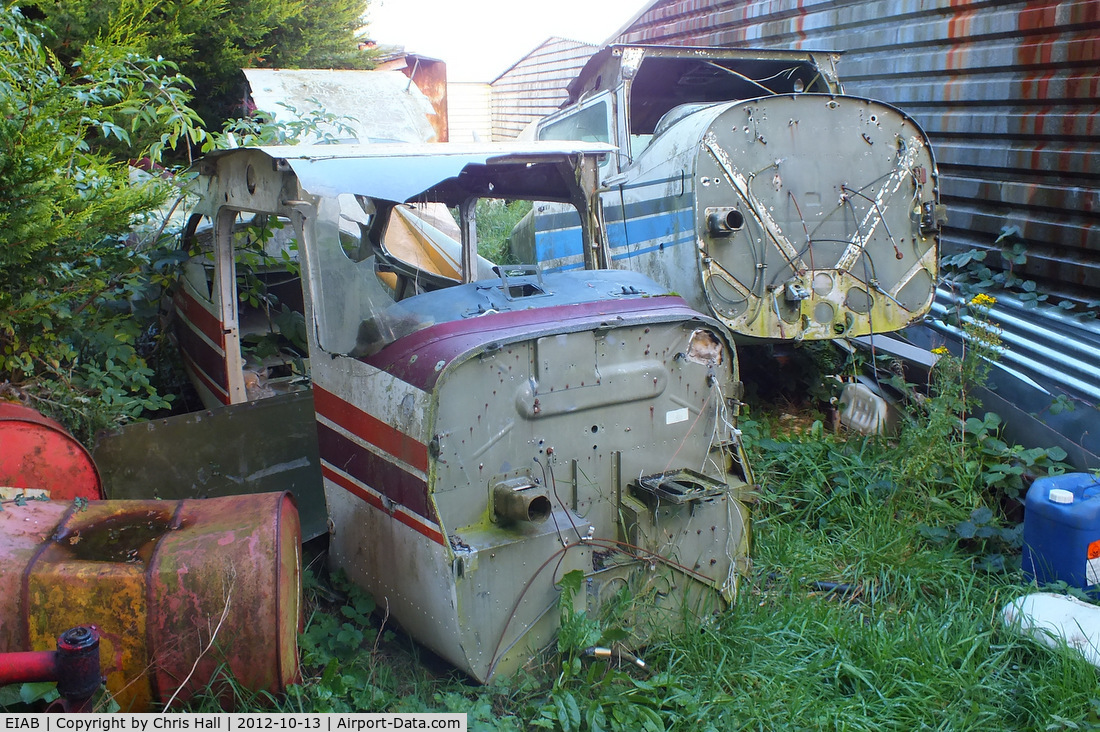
<point x="177" y="589"/>
<point x="38" y="453"/>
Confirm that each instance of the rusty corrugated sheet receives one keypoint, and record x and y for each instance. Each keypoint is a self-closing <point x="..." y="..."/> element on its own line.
<point x="535" y="85"/>
<point x="1007" y="91"/>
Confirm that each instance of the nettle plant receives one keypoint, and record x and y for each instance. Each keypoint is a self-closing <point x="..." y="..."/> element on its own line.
<point x="601" y="686"/>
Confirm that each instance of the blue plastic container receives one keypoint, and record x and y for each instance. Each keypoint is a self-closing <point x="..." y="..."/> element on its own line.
<point x="1062" y="531"/>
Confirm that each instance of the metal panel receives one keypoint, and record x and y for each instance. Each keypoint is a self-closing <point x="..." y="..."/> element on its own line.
<point x="255" y="447"/>
<point x="535" y="86"/>
<point x="429" y="75"/>
<point x="376" y="105"/>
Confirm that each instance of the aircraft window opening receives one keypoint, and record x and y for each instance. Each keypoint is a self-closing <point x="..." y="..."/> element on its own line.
<point x="496" y="221"/>
<point x="270" y="305"/>
<point x="788" y="73"/>
<point x="663" y="84"/>
<point x="197" y="244"/>
<point x="420" y="249"/>
<point x="588" y="124"/>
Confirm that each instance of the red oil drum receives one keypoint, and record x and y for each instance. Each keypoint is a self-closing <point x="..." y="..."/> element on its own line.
<point x="178" y="589"/>
<point x="36" y="452"/>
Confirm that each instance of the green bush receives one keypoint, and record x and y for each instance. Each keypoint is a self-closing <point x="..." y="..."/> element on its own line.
<point x="73" y="272"/>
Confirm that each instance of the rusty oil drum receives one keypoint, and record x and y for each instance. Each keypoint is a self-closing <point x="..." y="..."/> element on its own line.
<point x="37" y="452"/>
<point x="178" y="589"/>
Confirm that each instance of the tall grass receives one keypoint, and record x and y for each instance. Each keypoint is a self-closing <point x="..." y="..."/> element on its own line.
<point x="912" y="642"/>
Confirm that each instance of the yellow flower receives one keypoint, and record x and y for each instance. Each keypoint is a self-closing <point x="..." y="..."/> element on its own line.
<point x="940" y="350"/>
<point x="983" y="300"/>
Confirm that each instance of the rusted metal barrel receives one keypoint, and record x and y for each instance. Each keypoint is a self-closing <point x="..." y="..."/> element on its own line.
<point x="178" y="589"/>
<point x="37" y="452"/>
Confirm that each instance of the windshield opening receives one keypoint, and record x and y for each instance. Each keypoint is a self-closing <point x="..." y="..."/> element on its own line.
<point x="409" y="274"/>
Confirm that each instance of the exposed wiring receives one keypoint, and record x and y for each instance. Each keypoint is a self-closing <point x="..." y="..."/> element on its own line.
<point x="809" y="242"/>
<point x="560" y="556"/>
<point x="881" y="217"/>
<point x="743" y="186"/>
<point x="864" y="254"/>
<point x="635" y="552"/>
<point x="647" y="555"/>
<point x="690" y="430"/>
<point x="778" y="316"/>
<point x="554" y="489"/>
<point x="632" y="551"/>
<point x="731" y="573"/>
<point x="741" y="76"/>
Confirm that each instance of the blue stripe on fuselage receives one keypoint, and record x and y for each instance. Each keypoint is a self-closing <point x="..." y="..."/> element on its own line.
<point x="650" y="233"/>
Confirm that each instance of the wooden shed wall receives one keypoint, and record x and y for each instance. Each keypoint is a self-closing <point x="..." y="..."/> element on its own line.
<point x="535" y="86"/>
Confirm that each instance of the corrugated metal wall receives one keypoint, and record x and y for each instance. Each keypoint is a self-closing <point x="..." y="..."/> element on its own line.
<point x="1008" y="92"/>
<point x="535" y="86"/>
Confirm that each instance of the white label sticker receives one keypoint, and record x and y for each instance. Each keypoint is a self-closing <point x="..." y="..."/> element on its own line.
<point x="1092" y="572"/>
<point x="676" y="415"/>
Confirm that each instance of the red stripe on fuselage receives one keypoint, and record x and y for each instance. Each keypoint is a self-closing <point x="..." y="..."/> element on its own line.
<point x="204" y="321"/>
<point x="412" y="522"/>
<point x="371" y="429"/>
<point x="220" y="393"/>
<point x="195" y="330"/>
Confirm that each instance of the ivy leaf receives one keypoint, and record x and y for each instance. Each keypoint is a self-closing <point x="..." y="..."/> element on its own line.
<point x="1056" y="454"/>
<point x="981" y="515"/>
<point x="42" y="690"/>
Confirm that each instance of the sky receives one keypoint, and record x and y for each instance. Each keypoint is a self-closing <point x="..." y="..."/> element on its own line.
<point x="480" y="39"/>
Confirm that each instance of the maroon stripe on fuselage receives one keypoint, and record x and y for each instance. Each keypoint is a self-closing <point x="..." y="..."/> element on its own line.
<point x="384" y="476"/>
<point x="207" y="361"/>
<point x="413" y="523"/>
<point x="371" y="429"/>
<point x="220" y="393"/>
<point x="418" y="359"/>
